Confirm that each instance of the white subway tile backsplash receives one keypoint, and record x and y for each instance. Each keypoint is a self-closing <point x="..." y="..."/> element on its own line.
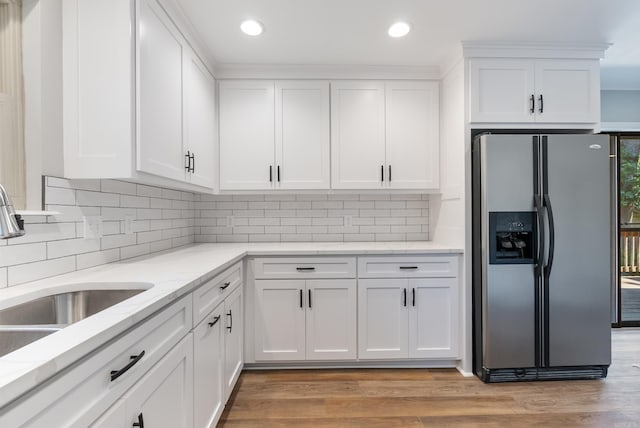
<point x="3" y="277"/>
<point x="134" y="251"/>
<point x="115" y="241"/>
<point x="120" y="187"/>
<point x="60" y="196"/>
<point x="45" y="232"/>
<point x="159" y="245"/>
<point x="109" y="213"/>
<point x="39" y="270"/>
<point x="67" y="247"/>
<point x="144" y="237"/>
<point x="134" y="201"/>
<point x="71" y="213"/>
<point x="19" y="254"/>
<point x="150" y="191"/>
<point x="74" y="184"/>
<point x="97" y="199"/>
<point x="87" y="260"/>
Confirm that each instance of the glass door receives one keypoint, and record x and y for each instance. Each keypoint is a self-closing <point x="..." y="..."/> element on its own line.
<point x="628" y="292"/>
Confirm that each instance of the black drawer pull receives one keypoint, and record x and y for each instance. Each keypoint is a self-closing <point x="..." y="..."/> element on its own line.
<point x="140" y="422"/>
<point x="309" y="298"/>
<point x="215" y="321"/>
<point x="413" y="296"/>
<point x="224" y="287"/>
<point x="305" y="269"/>
<point x="404" y="294"/>
<point x="408" y="267"/>
<point x="230" y="315"/>
<point x="301" y="305"/>
<point x="115" y="374"/>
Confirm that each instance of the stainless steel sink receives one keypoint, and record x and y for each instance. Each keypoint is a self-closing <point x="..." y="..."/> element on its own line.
<point x="64" y="308"/>
<point x="12" y="338"/>
<point x="27" y="322"/>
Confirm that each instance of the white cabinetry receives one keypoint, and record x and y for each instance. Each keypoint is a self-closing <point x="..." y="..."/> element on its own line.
<point x="133" y="105"/>
<point x="547" y="91"/>
<point x="384" y="135"/>
<point x="308" y="318"/>
<point x="412" y="312"/>
<point x="163" y="397"/>
<point x="283" y="125"/>
<point x="233" y="340"/>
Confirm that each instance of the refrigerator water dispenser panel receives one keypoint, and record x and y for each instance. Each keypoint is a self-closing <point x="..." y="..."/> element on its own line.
<point x="512" y="237"/>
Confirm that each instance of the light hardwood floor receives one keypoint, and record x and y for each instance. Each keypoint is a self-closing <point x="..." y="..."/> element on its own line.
<point x="437" y="398"/>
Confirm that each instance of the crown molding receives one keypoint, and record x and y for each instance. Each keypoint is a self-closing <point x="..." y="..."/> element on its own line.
<point x="300" y="71"/>
<point x="534" y="50"/>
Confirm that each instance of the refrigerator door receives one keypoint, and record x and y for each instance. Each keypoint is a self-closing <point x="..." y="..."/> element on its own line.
<point x="577" y="285"/>
<point x="508" y="290"/>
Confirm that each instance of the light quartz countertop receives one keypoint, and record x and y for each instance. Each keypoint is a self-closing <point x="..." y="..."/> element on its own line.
<point x="168" y="276"/>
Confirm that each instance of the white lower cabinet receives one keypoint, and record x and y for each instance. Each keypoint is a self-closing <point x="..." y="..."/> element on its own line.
<point x="233" y="340"/>
<point x="162" y="398"/>
<point x="208" y="366"/>
<point x="408" y="318"/>
<point x="299" y="320"/>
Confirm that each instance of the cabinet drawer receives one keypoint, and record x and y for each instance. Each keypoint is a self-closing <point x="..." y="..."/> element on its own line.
<point x="408" y="267"/>
<point x="207" y="297"/>
<point x="78" y="396"/>
<point x="305" y="267"/>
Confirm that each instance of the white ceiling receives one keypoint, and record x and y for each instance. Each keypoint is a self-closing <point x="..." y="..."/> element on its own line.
<point x="353" y="32"/>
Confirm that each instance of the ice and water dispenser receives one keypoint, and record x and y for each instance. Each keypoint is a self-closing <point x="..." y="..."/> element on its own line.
<point x="512" y="237"/>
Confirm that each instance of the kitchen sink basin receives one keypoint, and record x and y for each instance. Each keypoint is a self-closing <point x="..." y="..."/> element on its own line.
<point x="27" y="322"/>
<point x="12" y="338"/>
<point x="64" y="308"/>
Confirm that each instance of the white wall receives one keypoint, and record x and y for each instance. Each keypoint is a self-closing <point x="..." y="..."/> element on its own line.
<point x="620" y="105"/>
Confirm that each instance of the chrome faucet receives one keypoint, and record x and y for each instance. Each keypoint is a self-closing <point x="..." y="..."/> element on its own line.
<point x="11" y="224"/>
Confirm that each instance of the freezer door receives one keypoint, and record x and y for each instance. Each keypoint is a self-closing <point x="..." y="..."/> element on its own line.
<point x="579" y="282"/>
<point x="508" y="290"/>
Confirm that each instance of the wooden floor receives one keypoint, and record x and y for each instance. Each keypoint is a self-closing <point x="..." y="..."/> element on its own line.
<point x="437" y="398"/>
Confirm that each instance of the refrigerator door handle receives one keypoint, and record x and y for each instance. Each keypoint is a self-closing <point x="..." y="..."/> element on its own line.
<point x="537" y="203"/>
<point x="549" y="264"/>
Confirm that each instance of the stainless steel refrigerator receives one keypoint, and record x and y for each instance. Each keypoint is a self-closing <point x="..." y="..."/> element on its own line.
<point x="541" y="259"/>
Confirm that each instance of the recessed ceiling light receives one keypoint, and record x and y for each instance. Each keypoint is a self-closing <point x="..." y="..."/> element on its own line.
<point x="399" y="29"/>
<point x="251" y="27"/>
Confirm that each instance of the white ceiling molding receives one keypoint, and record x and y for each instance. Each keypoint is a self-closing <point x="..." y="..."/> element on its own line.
<point x="534" y="50"/>
<point x="287" y="71"/>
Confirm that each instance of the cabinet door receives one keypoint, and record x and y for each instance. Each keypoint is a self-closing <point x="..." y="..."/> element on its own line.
<point x="357" y="135"/>
<point x="233" y="340"/>
<point x="279" y="320"/>
<point x="246" y="135"/>
<point x="500" y="90"/>
<point x="115" y="417"/>
<point x="570" y="91"/>
<point x="199" y="120"/>
<point x="412" y="134"/>
<point x="159" y="87"/>
<point x="164" y="396"/>
<point x="208" y="365"/>
<point x="433" y="318"/>
<point x="302" y="135"/>
<point x="331" y="319"/>
<point x="382" y="318"/>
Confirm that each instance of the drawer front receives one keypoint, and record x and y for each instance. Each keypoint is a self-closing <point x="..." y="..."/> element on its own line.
<point x="209" y="295"/>
<point x="305" y="267"/>
<point x="408" y="267"/>
<point x="78" y="396"/>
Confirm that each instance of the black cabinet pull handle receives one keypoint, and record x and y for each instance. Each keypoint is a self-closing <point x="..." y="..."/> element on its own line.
<point x="408" y="267"/>
<point x="382" y="173"/>
<point x="188" y="165"/>
<point x="541" y="103"/>
<point x="389" y="173"/>
<point x="301" y="298"/>
<point x="404" y="293"/>
<point x="193" y="162"/>
<point x="532" y="104"/>
<point x="305" y="269"/>
<point x="215" y="321"/>
<point x="278" y="173"/>
<point x="230" y="315"/>
<point x="309" y="298"/>
<point x="224" y="287"/>
<point x="115" y="374"/>
<point x="270" y="173"/>
<point x="413" y="297"/>
<point x="140" y="422"/>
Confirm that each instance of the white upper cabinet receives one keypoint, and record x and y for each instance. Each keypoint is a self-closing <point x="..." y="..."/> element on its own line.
<point x="199" y="120"/>
<point x="159" y="107"/>
<point x="357" y="135"/>
<point x="412" y="154"/>
<point x="137" y="102"/>
<point x="302" y="135"/>
<point x="550" y="91"/>
<point x="384" y="135"/>
<point x="274" y="135"/>
<point x="246" y="135"/>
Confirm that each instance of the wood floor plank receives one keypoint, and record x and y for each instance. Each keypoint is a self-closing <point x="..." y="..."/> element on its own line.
<point x="437" y="398"/>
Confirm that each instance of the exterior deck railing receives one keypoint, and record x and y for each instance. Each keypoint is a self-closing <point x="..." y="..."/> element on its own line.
<point x="630" y="249"/>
